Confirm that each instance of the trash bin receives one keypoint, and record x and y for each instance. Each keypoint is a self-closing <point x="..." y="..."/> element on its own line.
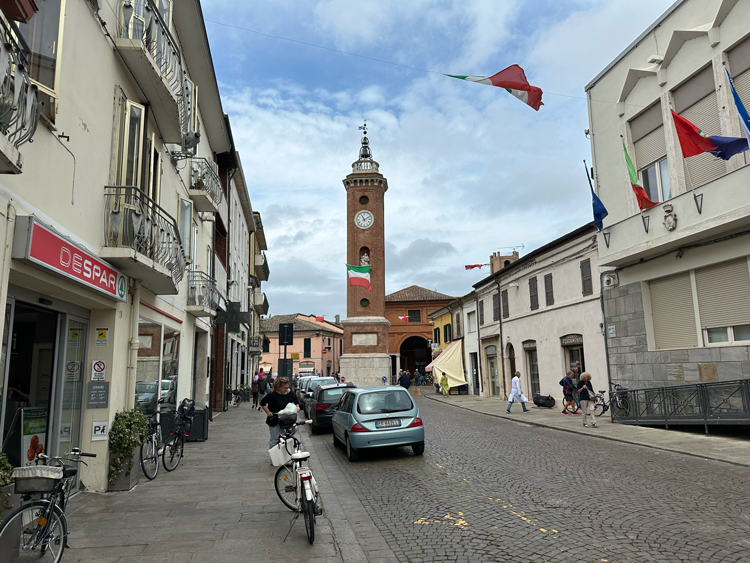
<point x="166" y="419"/>
<point x="199" y="430"/>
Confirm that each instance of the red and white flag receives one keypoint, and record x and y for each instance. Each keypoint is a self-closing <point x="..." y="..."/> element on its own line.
<point x="472" y="266"/>
<point x="319" y="319"/>
<point x="405" y="319"/>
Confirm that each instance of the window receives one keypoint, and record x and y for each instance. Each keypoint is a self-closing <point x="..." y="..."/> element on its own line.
<point x="185" y="223"/>
<point x="307" y="353"/>
<point x="458" y="324"/>
<point x="549" y="294"/>
<point x="655" y="181"/>
<point x="724" y="301"/>
<point x="471" y="321"/>
<point x="495" y="307"/>
<point x="414" y="316"/>
<point x="153" y="170"/>
<point x="436" y="336"/>
<point x="506" y="311"/>
<point x="266" y="345"/>
<point x="480" y="306"/>
<point x="129" y="143"/>
<point x="341" y="347"/>
<point x="533" y="296"/>
<point x="447" y="336"/>
<point x="586" y="285"/>
<point x="672" y="312"/>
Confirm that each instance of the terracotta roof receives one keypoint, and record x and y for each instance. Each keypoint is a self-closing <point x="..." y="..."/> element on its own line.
<point x="416" y="293"/>
<point x="271" y="324"/>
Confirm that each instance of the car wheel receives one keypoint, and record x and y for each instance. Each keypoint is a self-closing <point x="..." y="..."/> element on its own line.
<point x="351" y="453"/>
<point x="418" y="448"/>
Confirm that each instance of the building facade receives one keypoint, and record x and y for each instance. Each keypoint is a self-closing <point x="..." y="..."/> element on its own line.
<point x="676" y="276"/>
<point x="317" y="346"/>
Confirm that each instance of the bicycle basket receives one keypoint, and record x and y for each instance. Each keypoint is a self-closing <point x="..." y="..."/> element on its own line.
<point x="287" y="421"/>
<point x="36" y="479"/>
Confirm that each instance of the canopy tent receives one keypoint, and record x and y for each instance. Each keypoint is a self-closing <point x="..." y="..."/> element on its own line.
<point x="450" y="361"/>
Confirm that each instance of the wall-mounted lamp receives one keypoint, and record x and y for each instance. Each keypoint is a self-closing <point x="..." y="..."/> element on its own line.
<point x="514" y="284"/>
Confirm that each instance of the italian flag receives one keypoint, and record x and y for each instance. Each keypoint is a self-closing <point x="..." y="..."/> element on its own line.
<point x="513" y="79"/>
<point x="640" y="194"/>
<point x="359" y="275"/>
<point x="405" y="319"/>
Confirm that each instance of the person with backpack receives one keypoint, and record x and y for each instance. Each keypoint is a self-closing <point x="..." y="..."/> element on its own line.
<point x="568" y="390"/>
<point x="255" y="391"/>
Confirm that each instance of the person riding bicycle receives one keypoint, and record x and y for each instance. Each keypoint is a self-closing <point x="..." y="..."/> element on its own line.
<point x="273" y="403"/>
<point x="568" y="390"/>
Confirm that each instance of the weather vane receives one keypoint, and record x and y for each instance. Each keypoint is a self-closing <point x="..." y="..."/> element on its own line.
<point x="363" y="127"/>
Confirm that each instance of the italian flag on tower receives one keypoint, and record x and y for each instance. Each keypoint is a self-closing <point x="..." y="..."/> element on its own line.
<point x="359" y="275"/>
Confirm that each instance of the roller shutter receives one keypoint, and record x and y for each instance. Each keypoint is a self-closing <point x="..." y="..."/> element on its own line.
<point x="673" y="313"/>
<point x="724" y="294"/>
<point x="650" y="148"/>
<point x="704" y="168"/>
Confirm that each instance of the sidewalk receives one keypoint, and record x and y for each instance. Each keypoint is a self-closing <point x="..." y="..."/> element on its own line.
<point x="729" y="450"/>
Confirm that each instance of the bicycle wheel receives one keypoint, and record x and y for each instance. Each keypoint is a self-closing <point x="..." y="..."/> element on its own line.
<point x="308" y="508"/>
<point x="35" y="539"/>
<point x="285" y="478"/>
<point x="172" y="453"/>
<point x="600" y="407"/>
<point x="624" y="407"/>
<point x="150" y="458"/>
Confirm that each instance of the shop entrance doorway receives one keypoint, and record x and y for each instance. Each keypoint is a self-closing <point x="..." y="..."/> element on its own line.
<point x="415" y="354"/>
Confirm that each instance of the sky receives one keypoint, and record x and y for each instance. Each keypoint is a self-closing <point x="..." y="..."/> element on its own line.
<point x="471" y="170"/>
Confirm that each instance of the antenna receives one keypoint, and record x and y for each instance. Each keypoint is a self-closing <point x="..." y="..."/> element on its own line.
<point x="521" y="246"/>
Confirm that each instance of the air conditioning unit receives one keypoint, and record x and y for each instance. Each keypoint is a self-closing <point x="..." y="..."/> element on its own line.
<point x="610" y="280"/>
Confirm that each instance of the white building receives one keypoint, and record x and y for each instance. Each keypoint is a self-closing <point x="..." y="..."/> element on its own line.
<point x="470" y="333"/>
<point x="677" y="295"/>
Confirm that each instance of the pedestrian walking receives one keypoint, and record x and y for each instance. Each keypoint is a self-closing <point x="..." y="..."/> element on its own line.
<point x="404" y="381"/>
<point x="444" y="385"/>
<point x="416" y="377"/>
<point x="568" y="390"/>
<point x="516" y="396"/>
<point x="262" y="385"/>
<point x="254" y="390"/>
<point x="275" y="401"/>
<point x="586" y="394"/>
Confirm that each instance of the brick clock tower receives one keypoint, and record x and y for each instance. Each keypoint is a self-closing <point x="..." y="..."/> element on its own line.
<point x="365" y="360"/>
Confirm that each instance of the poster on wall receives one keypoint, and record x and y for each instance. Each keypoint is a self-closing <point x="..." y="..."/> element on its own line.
<point x="34" y="434"/>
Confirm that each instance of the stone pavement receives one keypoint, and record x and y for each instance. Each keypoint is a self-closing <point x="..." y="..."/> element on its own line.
<point x="730" y="450"/>
<point x="220" y="505"/>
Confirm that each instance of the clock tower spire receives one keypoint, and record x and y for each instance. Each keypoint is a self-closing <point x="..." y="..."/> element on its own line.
<point x="365" y="360"/>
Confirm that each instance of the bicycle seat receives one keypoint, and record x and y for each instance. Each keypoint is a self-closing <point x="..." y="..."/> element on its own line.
<point x="603" y="391"/>
<point x="300" y="456"/>
<point x="69" y="471"/>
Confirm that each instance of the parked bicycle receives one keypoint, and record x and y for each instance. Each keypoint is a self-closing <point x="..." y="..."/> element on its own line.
<point x="618" y="401"/>
<point x="236" y="398"/>
<point x="175" y="446"/>
<point x="294" y="481"/>
<point x="150" y="448"/>
<point x="39" y="524"/>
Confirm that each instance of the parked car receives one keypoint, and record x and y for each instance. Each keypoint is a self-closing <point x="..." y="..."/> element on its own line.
<point x="166" y="385"/>
<point x="377" y="417"/>
<point x="323" y="404"/>
<point x="146" y="396"/>
<point x="305" y="397"/>
<point x="301" y="382"/>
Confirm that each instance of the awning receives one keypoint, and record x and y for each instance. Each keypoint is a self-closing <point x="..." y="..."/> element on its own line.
<point x="451" y="361"/>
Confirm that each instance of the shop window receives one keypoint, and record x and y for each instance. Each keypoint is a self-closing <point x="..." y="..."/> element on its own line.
<point x="307" y="350"/>
<point x="415" y="316"/>
<point x="158" y="366"/>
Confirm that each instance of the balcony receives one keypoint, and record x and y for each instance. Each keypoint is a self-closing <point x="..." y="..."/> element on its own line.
<point x="152" y="55"/>
<point x="18" y="104"/>
<point x="724" y="209"/>
<point x="221" y="277"/>
<point x="205" y="186"/>
<point x="259" y="234"/>
<point x="260" y="303"/>
<point x="203" y="298"/>
<point x="142" y="240"/>
<point x="254" y="345"/>
<point x="261" y="266"/>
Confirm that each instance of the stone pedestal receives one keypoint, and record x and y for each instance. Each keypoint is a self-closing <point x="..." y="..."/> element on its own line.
<point x="366" y="370"/>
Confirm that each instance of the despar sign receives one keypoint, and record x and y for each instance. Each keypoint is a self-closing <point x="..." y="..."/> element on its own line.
<point x="49" y="250"/>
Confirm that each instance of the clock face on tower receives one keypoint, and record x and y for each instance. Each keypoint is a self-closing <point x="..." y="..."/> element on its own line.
<point x="363" y="219"/>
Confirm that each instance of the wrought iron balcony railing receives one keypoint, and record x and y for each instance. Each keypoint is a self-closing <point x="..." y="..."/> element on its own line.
<point x="134" y="220"/>
<point x="261" y="266"/>
<point x="260" y="303"/>
<point x="202" y="290"/>
<point x="18" y="95"/>
<point x="723" y="402"/>
<point x="204" y="179"/>
<point x="141" y="19"/>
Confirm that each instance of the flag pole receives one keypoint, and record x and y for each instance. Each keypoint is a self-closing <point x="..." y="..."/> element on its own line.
<point x="698" y="199"/>
<point x="605" y="235"/>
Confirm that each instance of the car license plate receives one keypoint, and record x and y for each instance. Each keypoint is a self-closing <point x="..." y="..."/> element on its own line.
<point x="387" y="423"/>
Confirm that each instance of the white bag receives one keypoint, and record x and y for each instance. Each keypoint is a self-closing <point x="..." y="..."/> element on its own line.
<point x="291" y="408"/>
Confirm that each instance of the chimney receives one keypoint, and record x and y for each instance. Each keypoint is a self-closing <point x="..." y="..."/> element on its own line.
<point x="338" y="319"/>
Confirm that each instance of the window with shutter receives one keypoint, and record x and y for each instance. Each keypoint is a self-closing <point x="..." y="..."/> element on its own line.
<point x="495" y="308"/>
<point x="673" y="313"/>
<point x="266" y="345"/>
<point x="307" y="351"/>
<point x="533" y="296"/>
<point x="587" y="287"/>
<point x="549" y="294"/>
<point x="480" y="306"/>
<point x="739" y="66"/>
<point x="458" y="325"/>
<point x="450" y="333"/>
<point x="724" y="294"/>
<point x="704" y="168"/>
<point x="447" y="337"/>
<point x="436" y="335"/>
<point x="506" y="312"/>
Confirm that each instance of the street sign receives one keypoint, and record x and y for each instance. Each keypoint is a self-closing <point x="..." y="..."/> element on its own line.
<point x="295" y="356"/>
<point x="286" y="333"/>
<point x="98" y="370"/>
<point x="99" y="431"/>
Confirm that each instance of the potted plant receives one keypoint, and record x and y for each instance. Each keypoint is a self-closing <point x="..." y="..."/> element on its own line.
<point x="8" y="500"/>
<point x="19" y="10"/>
<point x="128" y="431"/>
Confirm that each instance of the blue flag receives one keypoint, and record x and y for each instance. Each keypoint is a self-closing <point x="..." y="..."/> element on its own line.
<point x="600" y="212"/>
<point x="744" y="117"/>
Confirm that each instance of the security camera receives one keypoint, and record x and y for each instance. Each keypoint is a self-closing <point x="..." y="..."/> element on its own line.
<point x="190" y="140"/>
<point x="610" y="280"/>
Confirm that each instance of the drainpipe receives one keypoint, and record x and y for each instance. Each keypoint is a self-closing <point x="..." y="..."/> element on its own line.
<point x="502" y="344"/>
<point x="604" y="335"/>
<point x="134" y="343"/>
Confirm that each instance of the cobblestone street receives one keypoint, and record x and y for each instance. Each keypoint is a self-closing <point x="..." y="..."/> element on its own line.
<point x="489" y="489"/>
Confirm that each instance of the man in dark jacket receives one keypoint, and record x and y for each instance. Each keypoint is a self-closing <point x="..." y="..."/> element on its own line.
<point x="568" y="390"/>
<point x="405" y="380"/>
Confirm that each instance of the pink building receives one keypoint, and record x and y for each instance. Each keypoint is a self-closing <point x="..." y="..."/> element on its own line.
<point x="317" y="345"/>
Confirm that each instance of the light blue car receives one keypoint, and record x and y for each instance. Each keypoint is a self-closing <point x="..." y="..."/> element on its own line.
<point x="377" y="417"/>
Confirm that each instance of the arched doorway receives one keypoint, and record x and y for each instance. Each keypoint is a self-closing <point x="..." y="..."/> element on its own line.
<point x="511" y="355"/>
<point x="415" y="354"/>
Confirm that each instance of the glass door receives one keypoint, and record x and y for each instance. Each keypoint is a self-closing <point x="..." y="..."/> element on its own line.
<point x="70" y="392"/>
<point x="494" y="376"/>
<point x="576" y="362"/>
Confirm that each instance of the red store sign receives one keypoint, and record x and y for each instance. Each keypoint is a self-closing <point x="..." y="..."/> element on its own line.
<point x="40" y="245"/>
